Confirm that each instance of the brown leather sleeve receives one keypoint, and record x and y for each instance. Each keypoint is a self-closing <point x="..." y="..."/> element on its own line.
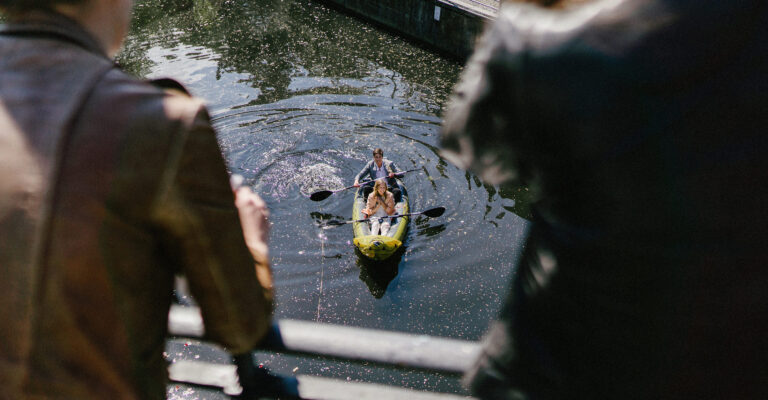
<point x="198" y="209"/>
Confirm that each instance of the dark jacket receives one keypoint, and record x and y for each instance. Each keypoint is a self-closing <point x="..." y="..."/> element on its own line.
<point x="110" y="186"/>
<point x="639" y="127"/>
<point x="369" y="170"/>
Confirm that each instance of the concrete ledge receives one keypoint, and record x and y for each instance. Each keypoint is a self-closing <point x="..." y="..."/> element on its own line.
<point x="450" y="27"/>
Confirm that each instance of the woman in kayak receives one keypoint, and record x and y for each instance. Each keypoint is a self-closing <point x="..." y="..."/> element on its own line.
<point x="381" y="203"/>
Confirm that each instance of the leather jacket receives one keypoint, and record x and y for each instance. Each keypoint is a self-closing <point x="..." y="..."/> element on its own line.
<point x="110" y="187"/>
<point x="639" y="128"/>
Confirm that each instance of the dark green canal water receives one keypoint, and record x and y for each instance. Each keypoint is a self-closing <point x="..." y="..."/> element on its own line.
<point x="300" y="95"/>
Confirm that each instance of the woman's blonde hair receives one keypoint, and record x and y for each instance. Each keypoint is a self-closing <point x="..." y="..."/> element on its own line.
<point x="380" y="182"/>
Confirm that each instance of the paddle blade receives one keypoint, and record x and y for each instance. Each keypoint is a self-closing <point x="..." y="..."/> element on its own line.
<point x="321" y="195"/>
<point x="434" y="212"/>
<point x="335" y="223"/>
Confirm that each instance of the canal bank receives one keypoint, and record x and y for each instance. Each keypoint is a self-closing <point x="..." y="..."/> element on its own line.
<point x="449" y="27"/>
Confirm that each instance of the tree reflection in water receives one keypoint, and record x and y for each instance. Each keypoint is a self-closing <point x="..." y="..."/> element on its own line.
<point x="273" y="41"/>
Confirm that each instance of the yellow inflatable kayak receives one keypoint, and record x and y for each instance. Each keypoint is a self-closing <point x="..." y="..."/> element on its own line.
<point x="378" y="247"/>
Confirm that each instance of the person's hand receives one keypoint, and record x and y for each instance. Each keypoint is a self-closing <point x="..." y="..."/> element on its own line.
<point x="254" y="218"/>
<point x="356" y="184"/>
<point x="391" y="174"/>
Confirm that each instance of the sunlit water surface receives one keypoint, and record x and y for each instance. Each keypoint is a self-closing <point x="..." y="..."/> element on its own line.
<point x="300" y="95"/>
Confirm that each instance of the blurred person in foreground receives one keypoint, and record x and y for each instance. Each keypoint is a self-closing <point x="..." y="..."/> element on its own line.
<point x="108" y="187"/>
<point x="639" y="127"/>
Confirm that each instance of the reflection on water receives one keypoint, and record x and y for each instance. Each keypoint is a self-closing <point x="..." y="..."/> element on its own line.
<point x="300" y="95"/>
<point x="280" y="48"/>
<point x="378" y="275"/>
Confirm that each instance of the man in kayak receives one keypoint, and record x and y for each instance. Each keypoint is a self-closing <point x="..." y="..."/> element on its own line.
<point x="379" y="168"/>
<point x="639" y="128"/>
<point x="109" y="187"/>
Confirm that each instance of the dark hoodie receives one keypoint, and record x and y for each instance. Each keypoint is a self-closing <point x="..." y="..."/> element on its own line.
<point x="639" y="127"/>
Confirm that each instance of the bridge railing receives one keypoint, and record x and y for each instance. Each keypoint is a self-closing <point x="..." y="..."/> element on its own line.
<point x="402" y="351"/>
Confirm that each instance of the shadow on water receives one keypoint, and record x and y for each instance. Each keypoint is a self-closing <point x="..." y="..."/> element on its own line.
<point x="521" y="197"/>
<point x="431" y="230"/>
<point x="378" y="274"/>
<point x="321" y="219"/>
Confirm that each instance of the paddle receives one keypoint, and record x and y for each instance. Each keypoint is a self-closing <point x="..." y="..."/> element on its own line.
<point x="323" y="194"/>
<point x="432" y="213"/>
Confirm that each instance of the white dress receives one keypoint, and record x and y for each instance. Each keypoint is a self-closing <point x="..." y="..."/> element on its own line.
<point x="385" y="222"/>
